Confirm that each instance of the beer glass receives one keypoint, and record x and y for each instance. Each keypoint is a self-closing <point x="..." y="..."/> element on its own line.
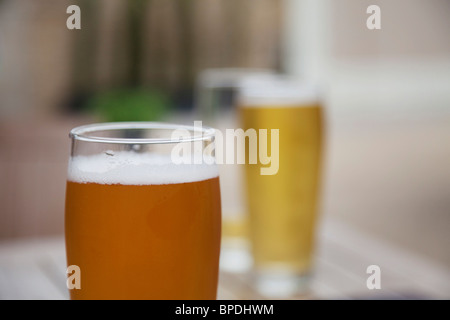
<point x="140" y="223"/>
<point x="215" y="103"/>
<point x="283" y="206"/>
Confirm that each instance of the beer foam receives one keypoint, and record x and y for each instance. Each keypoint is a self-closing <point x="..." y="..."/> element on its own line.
<point x="276" y="92"/>
<point x="131" y="168"/>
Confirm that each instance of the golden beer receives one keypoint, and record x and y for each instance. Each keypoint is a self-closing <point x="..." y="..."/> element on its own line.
<point x="141" y="227"/>
<point x="283" y="207"/>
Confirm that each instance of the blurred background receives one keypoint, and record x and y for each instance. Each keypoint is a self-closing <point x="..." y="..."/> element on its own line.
<point x="386" y="170"/>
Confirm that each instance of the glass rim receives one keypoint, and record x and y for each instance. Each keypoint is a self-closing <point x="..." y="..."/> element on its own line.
<point x="84" y="132"/>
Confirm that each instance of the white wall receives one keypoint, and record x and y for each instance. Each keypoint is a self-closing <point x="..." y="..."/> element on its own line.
<point x="404" y="67"/>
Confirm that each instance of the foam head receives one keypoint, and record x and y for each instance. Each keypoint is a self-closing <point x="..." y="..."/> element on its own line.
<point x="276" y="91"/>
<point x="131" y="168"/>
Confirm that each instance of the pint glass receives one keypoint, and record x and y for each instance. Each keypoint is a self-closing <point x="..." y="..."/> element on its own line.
<point x="283" y="206"/>
<point x="138" y="224"/>
<point x="215" y="96"/>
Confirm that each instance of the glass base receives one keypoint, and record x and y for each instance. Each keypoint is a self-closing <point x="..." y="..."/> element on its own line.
<point x="282" y="284"/>
<point x="235" y="256"/>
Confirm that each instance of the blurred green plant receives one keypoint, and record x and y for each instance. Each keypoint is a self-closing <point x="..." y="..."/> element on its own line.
<point x="129" y="105"/>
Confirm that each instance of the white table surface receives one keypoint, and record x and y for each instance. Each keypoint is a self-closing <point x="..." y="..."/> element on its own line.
<point x="35" y="269"/>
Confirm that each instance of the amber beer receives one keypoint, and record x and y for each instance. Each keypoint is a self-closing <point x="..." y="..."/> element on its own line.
<point x="140" y="227"/>
<point x="283" y="207"/>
